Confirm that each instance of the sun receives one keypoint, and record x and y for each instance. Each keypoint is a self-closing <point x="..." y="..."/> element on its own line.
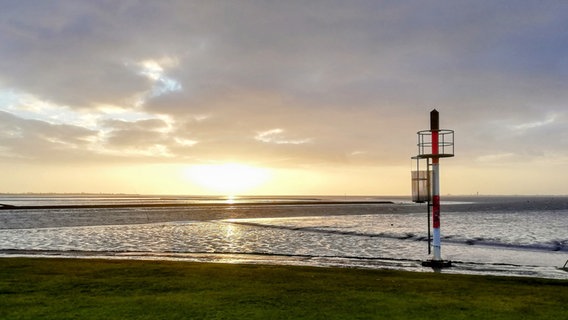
<point x="227" y="178"/>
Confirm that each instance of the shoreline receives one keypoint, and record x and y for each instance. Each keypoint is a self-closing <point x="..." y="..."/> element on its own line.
<point x="299" y="260"/>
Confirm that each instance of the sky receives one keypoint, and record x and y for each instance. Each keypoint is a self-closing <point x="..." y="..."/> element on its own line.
<point x="281" y="97"/>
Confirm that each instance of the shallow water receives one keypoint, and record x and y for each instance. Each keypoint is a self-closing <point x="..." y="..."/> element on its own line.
<point x="505" y="236"/>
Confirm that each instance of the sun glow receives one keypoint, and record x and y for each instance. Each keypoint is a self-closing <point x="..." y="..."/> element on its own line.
<point x="228" y="178"/>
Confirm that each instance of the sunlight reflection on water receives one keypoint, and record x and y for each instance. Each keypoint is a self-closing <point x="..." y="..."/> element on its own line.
<point x="334" y="237"/>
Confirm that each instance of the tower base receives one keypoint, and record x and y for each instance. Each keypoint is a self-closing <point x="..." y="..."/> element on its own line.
<point x="437" y="264"/>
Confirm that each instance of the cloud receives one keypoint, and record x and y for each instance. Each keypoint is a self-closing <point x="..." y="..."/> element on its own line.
<point x="34" y="140"/>
<point x="535" y="124"/>
<point x="280" y="82"/>
<point x="277" y="136"/>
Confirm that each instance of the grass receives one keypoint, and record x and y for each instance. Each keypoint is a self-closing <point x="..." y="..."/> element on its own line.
<point x="33" y="288"/>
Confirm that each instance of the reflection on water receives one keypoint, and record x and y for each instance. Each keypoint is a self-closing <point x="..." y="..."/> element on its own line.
<point x="385" y="240"/>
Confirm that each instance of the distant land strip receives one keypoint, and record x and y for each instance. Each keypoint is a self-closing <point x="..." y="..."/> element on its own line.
<point x="158" y="205"/>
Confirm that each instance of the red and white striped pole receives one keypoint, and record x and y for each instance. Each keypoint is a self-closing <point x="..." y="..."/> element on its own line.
<point x="434" y="128"/>
<point x="434" y="144"/>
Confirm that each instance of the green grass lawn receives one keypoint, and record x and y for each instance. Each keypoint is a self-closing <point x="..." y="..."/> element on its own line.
<point x="113" y="289"/>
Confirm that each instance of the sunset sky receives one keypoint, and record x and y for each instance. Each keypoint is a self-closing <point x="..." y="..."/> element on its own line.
<point x="281" y="97"/>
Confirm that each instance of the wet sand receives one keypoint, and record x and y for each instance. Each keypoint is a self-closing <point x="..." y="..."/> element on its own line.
<point x="83" y="215"/>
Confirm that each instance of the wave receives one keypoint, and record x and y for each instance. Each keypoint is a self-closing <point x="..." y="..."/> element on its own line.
<point x="553" y="245"/>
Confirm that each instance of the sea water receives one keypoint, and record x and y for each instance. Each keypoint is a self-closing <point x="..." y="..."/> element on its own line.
<point x="519" y="236"/>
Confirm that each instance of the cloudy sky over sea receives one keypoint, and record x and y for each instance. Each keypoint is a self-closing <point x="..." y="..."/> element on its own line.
<point x="281" y="97"/>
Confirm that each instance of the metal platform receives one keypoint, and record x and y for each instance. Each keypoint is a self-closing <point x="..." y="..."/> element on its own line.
<point x="445" y="144"/>
<point x="437" y="264"/>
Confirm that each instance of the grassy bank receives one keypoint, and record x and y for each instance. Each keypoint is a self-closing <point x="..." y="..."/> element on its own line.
<point x="106" y="289"/>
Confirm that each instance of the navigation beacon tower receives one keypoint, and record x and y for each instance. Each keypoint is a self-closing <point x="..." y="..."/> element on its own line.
<point x="433" y="144"/>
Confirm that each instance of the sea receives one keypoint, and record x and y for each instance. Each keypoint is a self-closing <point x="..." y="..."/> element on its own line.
<point x="524" y="236"/>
